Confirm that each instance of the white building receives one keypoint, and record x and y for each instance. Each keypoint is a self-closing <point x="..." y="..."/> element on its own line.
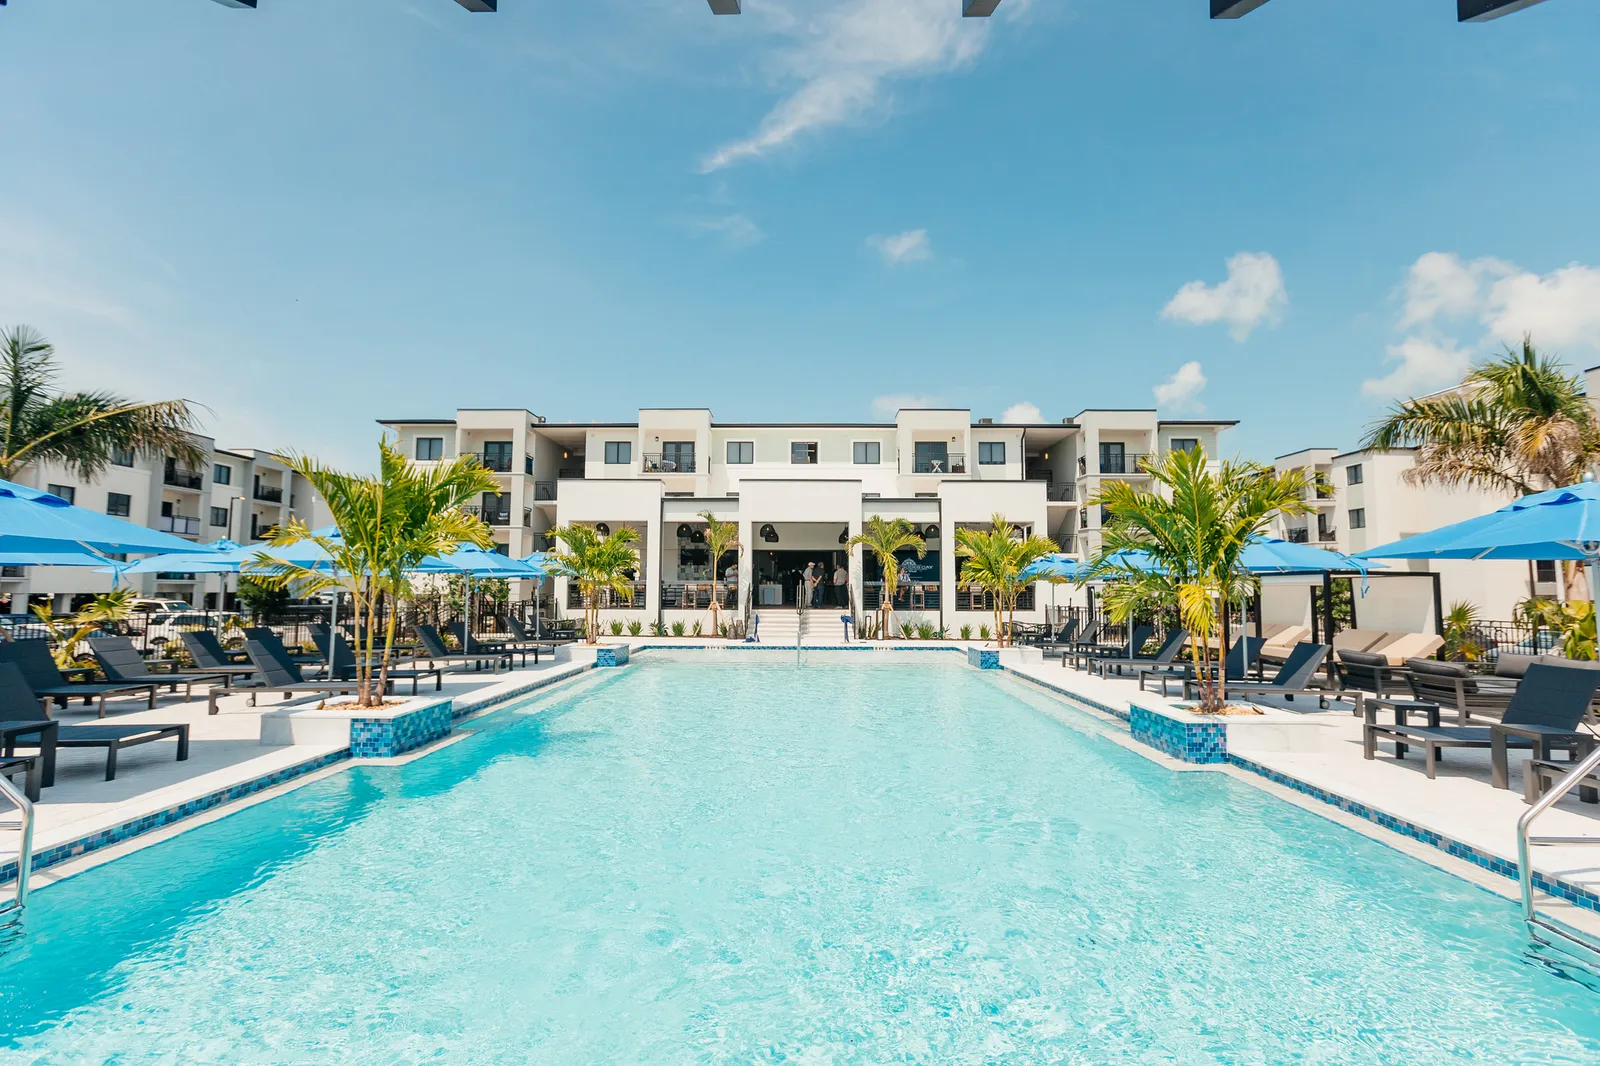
<point x="1367" y="501"/>
<point x="798" y="492"/>
<point x="241" y="494"/>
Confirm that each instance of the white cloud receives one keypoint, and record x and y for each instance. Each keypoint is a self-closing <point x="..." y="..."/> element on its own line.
<point x="1560" y="309"/>
<point x="1439" y="283"/>
<point x="1022" y="413"/>
<point x="908" y="247"/>
<point x="736" y="231"/>
<point x="1423" y="366"/>
<point x="1252" y="294"/>
<point x="1181" y="392"/>
<point x="886" y="407"/>
<point x="841" y="59"/>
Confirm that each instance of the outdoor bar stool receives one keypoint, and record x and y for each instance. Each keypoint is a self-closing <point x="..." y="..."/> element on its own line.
<point x="919" y="597"/>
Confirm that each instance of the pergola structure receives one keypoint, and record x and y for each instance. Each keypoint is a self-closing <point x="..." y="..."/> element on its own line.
<point x="1466" y="10"/>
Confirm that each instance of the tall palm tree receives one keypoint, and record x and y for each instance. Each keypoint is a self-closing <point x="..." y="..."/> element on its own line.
<point x="1193" y="526"/>
<point x="884" y="538"/>
<point x="1518" y="424"/>
<point x="596" y="563"/>
<point x="995" y="559"/>
<point x="82" y="430"/>
<point x="386" y="525"/>
<point x="721" y="537"/>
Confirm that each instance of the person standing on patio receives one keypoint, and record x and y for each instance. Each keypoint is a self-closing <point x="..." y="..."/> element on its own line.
<point x="841" y="578"/>
<point x="808" y="585"/>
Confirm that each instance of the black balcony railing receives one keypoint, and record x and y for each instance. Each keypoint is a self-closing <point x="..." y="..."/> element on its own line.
<point x="913" y="596"/>
<point x="175" y="575"/>
<point x="610" y="599"/>
<point x="544" y="490"/>
<point x="657" y="463"/>
<point x="1065" y="492"/>
<point x="12" y="571"/>
<point x="973" y="598"/>
<point x="501" y="517"/>
<point x="183" y="479"/>
<point x="184" y="527"/>
<point x="1126" y="463"/>
<point x="950" y="463"/>
<point x="696" y="595"/>
<point x="1297" y="535"/>
<point x="1327" y="534"/>
<point x="499" y="462"/>
<point x="269" y="493"/>
<point x="570" y="473"/>
<point x="262" y="532"/>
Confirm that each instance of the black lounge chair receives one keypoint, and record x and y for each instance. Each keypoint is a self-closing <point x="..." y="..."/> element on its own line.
<point x="275" y="642"/>
<point x="209" y="655"/>
<point x="1452" y="686"/>
<point x="1292" y="679"/>
<point x="489" y="647"/>
<point x="1088" y="639"/>
<point x="1365" y="671"/>
<point x="29" y="766"/>
<point x="523" y="637"/>
<point x="433" y="650"/>
<point x="1061" y="638"/>
<point x="120" y="661"/>
<point x="344" y="666"/>
<point x="1164" y="656"/>
<point x="275" y="674"/>
<point x="1546" y="712"/>
<point x="17" y="699"/>
<point x="1084" y="658"/>
<point x="33" y="661"/>
<point x="1243" y="655"/>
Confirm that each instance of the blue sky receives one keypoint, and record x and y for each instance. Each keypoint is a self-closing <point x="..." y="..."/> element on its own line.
<point x="316" y="214"/>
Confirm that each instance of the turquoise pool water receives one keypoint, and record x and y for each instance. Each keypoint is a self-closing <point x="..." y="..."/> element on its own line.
<point x="753" y="863"/>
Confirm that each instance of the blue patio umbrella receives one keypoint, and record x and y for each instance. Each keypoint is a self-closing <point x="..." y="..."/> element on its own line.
<point x="218" y="557"/>
<point x="1556" y="524"/>
<point x="35" y="521"/>
<point x="1061" y="567"/>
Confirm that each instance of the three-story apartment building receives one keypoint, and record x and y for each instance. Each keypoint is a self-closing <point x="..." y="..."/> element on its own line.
<point x="239" y="494"/>
<point x="798" y="493"/>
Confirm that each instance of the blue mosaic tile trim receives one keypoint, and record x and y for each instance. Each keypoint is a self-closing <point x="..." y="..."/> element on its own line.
<point x="1577" y="895"/>
<point x="465" y="706"/>
<point x="983" y="658"/>
<point x="116" y="834"/>
<point x="1196" y="742"/>
<point x="611" y="655"/>
<point x="383" y="738"/>
<point x="858" y="646"/>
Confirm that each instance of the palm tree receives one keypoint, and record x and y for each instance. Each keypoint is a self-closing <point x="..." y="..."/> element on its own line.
<point x="386" y="525"/>
<point x="1518" y="424"/>
<point x="82" y="430"/>
<point x="596" y="563"/>
<point x="995" y="559"/>
<point x="1192" y="526"/>
<point x="884" y="538"/>
<point x="721" y="537"/>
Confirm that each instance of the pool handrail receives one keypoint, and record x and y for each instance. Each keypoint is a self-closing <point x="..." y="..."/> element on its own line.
<point x="1526" y="842"/>
<point x="24" y="845"/>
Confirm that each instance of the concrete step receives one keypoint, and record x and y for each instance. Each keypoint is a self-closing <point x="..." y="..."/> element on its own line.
<point x="780" y="626"/>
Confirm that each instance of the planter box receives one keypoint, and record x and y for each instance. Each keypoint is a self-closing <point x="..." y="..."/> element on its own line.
<point x="369" y="734"/>
<point x="983" y="658"/>
<point x="1209" y="738"/>
<point x="611" y="655"/>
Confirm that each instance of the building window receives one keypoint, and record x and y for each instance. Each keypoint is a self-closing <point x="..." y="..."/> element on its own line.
<point x="619" y="452"/>
<point x="430" y="449"/>
<point x="803" y="453"/>
<point x="222" y="474"/>
<point x="219" y="516"/>
<point x="66" y="492"/>
<point x="1544" y="572"/>
<point x="1184" y="444"/>
<point x="992" y="453"/>
<point x="121" y="456"/>
<point x="677" y="455"/>
<point x="741" y="452"/>
<point x="1358" y="518"/>
<point x="1352" y="474"/>
<point x="868" y="452"/>
<point x="1113" y="457"/>
<point x="119" y="504"/>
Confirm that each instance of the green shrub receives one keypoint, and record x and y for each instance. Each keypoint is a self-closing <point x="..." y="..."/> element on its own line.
<point x="966" y="632"/>
<point x="635" y="628"/>
<point x="677" y="629"/>
<point x="983" y="632"/>
<point x="696" y="630"/>
<point x="616" y="627"/>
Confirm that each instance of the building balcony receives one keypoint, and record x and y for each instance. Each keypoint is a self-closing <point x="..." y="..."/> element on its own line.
<point x="656" y="463"/>
<point x="183" y="527"/>
<point x="8" y="573"/>
<point x="269" y="494"/>
<point x="544" y="491"/>
<point x="266" y="532"/>
<point x="613" y="600"/>
<point x="1327" y="535"/>
<point x="950" y="463"/>
<point x="180" y="478"/>
<point x="501" y="517"/>
<point x="1297" y="535"/>
<point x="1126" y="463"/>
<point x="499" y="462"/>
<point x="1066" y="492"/>
<point x="175" y="575"/>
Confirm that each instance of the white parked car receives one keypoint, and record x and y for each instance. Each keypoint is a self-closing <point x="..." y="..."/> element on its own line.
<point x="164" y="627"/>
<point x="164" y="606"/>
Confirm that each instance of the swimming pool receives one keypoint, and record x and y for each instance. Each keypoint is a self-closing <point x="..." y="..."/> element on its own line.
<point x="858" y="861"/>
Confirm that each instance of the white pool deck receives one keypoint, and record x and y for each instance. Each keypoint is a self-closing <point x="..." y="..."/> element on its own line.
<point x="226" y="752"/>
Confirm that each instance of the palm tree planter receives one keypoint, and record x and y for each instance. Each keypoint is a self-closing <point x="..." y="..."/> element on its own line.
<point x="721" y="538"/>
<point x="885" y="538"/>
<point x="994" y="560"/>
<point x="597" y="564"/>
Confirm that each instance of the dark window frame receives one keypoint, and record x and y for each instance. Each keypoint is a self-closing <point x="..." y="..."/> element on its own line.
<point x="986" y="451"/>
<point x="861" y="448"/>
<point x="438" y="452"/>
<point x="126" y="501"/>
<point x="810" y="456"/>
<point x="738" y="450"/>
<point x="1358" y="517"/>
<point x="618" y="452"/>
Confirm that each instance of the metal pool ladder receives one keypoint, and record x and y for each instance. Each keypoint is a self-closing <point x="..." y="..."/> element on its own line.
<point x="24" y="845"/>
<point x="1569" y="939"/>
<point x="800" y="631"/>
